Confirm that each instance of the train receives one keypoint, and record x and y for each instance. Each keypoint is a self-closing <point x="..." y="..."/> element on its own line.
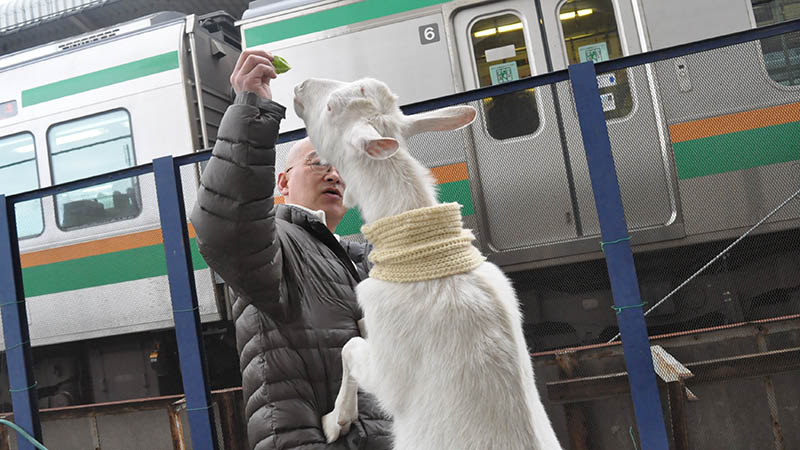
<point x="697" y="168"/>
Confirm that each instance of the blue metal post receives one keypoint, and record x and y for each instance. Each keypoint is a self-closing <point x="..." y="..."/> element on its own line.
<point x="184" y="303"/>
<point x="619" y="258"/>
<point x="24" y="398"/>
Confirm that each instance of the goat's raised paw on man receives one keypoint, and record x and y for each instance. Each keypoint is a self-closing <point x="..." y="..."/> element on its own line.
<point x="334" y="426"/>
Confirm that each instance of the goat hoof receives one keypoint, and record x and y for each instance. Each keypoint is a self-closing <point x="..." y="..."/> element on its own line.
<point x="331" y="428"/>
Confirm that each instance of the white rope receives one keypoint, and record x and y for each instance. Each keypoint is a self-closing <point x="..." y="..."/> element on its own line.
<point x="727" y="249"/>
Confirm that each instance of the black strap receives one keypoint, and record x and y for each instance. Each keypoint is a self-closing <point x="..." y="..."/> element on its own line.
<point x="324" y="234"/>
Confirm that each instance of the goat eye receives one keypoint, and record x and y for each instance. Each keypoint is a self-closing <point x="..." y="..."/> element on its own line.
<point x="329" y="108"/>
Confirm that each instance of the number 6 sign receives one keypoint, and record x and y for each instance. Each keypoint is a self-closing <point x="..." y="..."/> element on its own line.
<point x="428" y="34"/>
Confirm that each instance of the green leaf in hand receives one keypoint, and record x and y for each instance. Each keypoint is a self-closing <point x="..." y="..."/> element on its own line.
<point x="280" y="64"/>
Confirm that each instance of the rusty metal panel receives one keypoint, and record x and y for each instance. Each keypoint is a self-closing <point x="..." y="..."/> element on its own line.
<point x="677" y="410"/>
<point x="735" y="368"/>
<point x="787" y="396"/>
<point x="135" y="430"/>
<point x="231" y="419"/>
<point x="70" y="434"/>
<point x="733" y="414"/>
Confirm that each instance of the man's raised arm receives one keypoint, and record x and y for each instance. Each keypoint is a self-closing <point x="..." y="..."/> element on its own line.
<point x="233" y="216"/>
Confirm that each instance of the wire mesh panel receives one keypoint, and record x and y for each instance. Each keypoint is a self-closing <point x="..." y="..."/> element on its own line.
<point x="213" y="301"/>
<point x="709" y="184"/>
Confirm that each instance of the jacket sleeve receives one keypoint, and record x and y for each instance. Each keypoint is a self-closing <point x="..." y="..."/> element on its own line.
<point x="233" y="217"/>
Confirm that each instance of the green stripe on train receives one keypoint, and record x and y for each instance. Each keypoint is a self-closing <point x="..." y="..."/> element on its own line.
<point x="456" y="191"/>
<point x="737" y="151"/>
<point x="331" y="18"/>
<point x="101" y="78"/>
<point x="100" y="270"/>
<point x="147" y="262"/>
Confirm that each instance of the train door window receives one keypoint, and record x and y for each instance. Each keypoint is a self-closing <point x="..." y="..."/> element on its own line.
<point x="782" y="52"/>
<point x="92" y="146"/>
<point x="590" y="34"/>
<point x="18" y="173"/>
<point x="501" y="55"/>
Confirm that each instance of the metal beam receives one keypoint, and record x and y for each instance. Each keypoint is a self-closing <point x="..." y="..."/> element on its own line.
<point x="188" y="330"/>
<point x="737" y="367"/>
<point x="24" y="398"/>
<point x="619" y="257"/>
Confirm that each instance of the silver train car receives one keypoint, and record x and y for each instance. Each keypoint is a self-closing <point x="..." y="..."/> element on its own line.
<point x="159" y="85"/>
<point x="93" y="264"/>
<point x="702" y="143"/>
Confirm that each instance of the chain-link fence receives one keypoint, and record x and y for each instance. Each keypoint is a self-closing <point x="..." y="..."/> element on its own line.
<point x="707" y="159"/>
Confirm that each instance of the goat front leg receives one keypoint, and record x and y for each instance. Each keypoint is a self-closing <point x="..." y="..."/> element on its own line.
<point x="345" y="411"/>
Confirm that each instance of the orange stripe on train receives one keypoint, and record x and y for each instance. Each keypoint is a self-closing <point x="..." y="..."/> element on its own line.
<point x="443" y="174"/>
<point x="96" y="247"/>
<point x="731" y="123"/>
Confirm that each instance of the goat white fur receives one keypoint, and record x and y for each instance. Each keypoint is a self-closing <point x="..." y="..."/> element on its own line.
<point x="445" y="357"/>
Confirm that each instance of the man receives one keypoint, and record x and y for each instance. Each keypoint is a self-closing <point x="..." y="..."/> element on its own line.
<point x="294" y="282"/>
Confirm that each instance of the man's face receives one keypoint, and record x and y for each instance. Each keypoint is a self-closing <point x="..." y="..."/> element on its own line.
<point x="306" y="182"/>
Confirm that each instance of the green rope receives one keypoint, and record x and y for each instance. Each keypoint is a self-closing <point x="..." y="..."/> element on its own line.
<point x="603" y="244"/>
<point x="202" y="408"/>
<point x="11" y="303"/>
<point x="23" y="434"/>
<point x="25" y="389"/>
<point x="619" y="309"/>
<point x="630" y="431"/>
<point x="18" y="345"/>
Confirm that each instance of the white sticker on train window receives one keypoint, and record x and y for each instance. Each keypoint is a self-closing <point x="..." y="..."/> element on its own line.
<point x="593" y="52"/>
<point x="606" y="80"/>
<point x="608" y="102"/>
<point x="503" y="73"/>
<point x="498" y="53"/>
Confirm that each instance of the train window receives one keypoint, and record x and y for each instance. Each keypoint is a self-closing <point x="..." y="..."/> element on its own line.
<point x="590" y="33"/>
<point x="91" y="146"/>
<point x="18" y="173"/>
<point x="781" y="53"/>
<point x="501" y="55"/>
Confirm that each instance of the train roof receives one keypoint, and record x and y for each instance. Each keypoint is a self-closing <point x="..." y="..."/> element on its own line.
<point x="261" y="8"/>
<point x="214" y="22"/>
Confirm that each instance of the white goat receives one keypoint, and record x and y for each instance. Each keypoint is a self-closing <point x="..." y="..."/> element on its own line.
<point x="445" y="356"/>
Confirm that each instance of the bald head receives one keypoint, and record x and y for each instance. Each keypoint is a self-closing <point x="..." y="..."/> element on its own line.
<point x="298" y="152"/>
<point x="307" y="186"/>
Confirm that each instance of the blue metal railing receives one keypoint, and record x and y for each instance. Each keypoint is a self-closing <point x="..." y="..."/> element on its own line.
<point x="622" y="273"/>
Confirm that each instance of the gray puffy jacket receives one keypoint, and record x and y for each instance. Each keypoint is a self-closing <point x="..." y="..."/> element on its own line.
<point x="294" y="283"/>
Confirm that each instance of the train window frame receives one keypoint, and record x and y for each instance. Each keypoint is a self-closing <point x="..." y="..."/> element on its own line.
<point x="760" y="43"/>
<point x="137" y="202"/>
<point x="475" y="72"/>
<point x="38" y="183"/>
<point x="632" y="90"/>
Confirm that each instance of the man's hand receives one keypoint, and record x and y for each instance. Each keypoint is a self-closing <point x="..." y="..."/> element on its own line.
<point x="253" y="72"/>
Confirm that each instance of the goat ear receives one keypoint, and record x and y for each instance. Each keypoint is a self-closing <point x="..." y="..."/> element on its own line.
<point x="367" y="139"/>
<point x="445" y="119"/>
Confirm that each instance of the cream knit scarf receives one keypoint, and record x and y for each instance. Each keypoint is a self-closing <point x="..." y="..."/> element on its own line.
<point x="421" y="244"/>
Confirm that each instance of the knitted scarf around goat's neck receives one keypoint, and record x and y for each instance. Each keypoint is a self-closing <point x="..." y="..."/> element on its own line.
<point x="421" y="244"/>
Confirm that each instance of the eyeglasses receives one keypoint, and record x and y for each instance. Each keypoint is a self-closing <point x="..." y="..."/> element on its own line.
<point x="315" y="163"/>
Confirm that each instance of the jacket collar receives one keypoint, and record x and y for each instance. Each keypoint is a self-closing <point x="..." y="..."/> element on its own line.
<point x="309" y="221"/>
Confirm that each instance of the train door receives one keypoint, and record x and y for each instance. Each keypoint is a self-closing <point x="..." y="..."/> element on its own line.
<point x="598" y="30"/>
<point x="519" y="163"/>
